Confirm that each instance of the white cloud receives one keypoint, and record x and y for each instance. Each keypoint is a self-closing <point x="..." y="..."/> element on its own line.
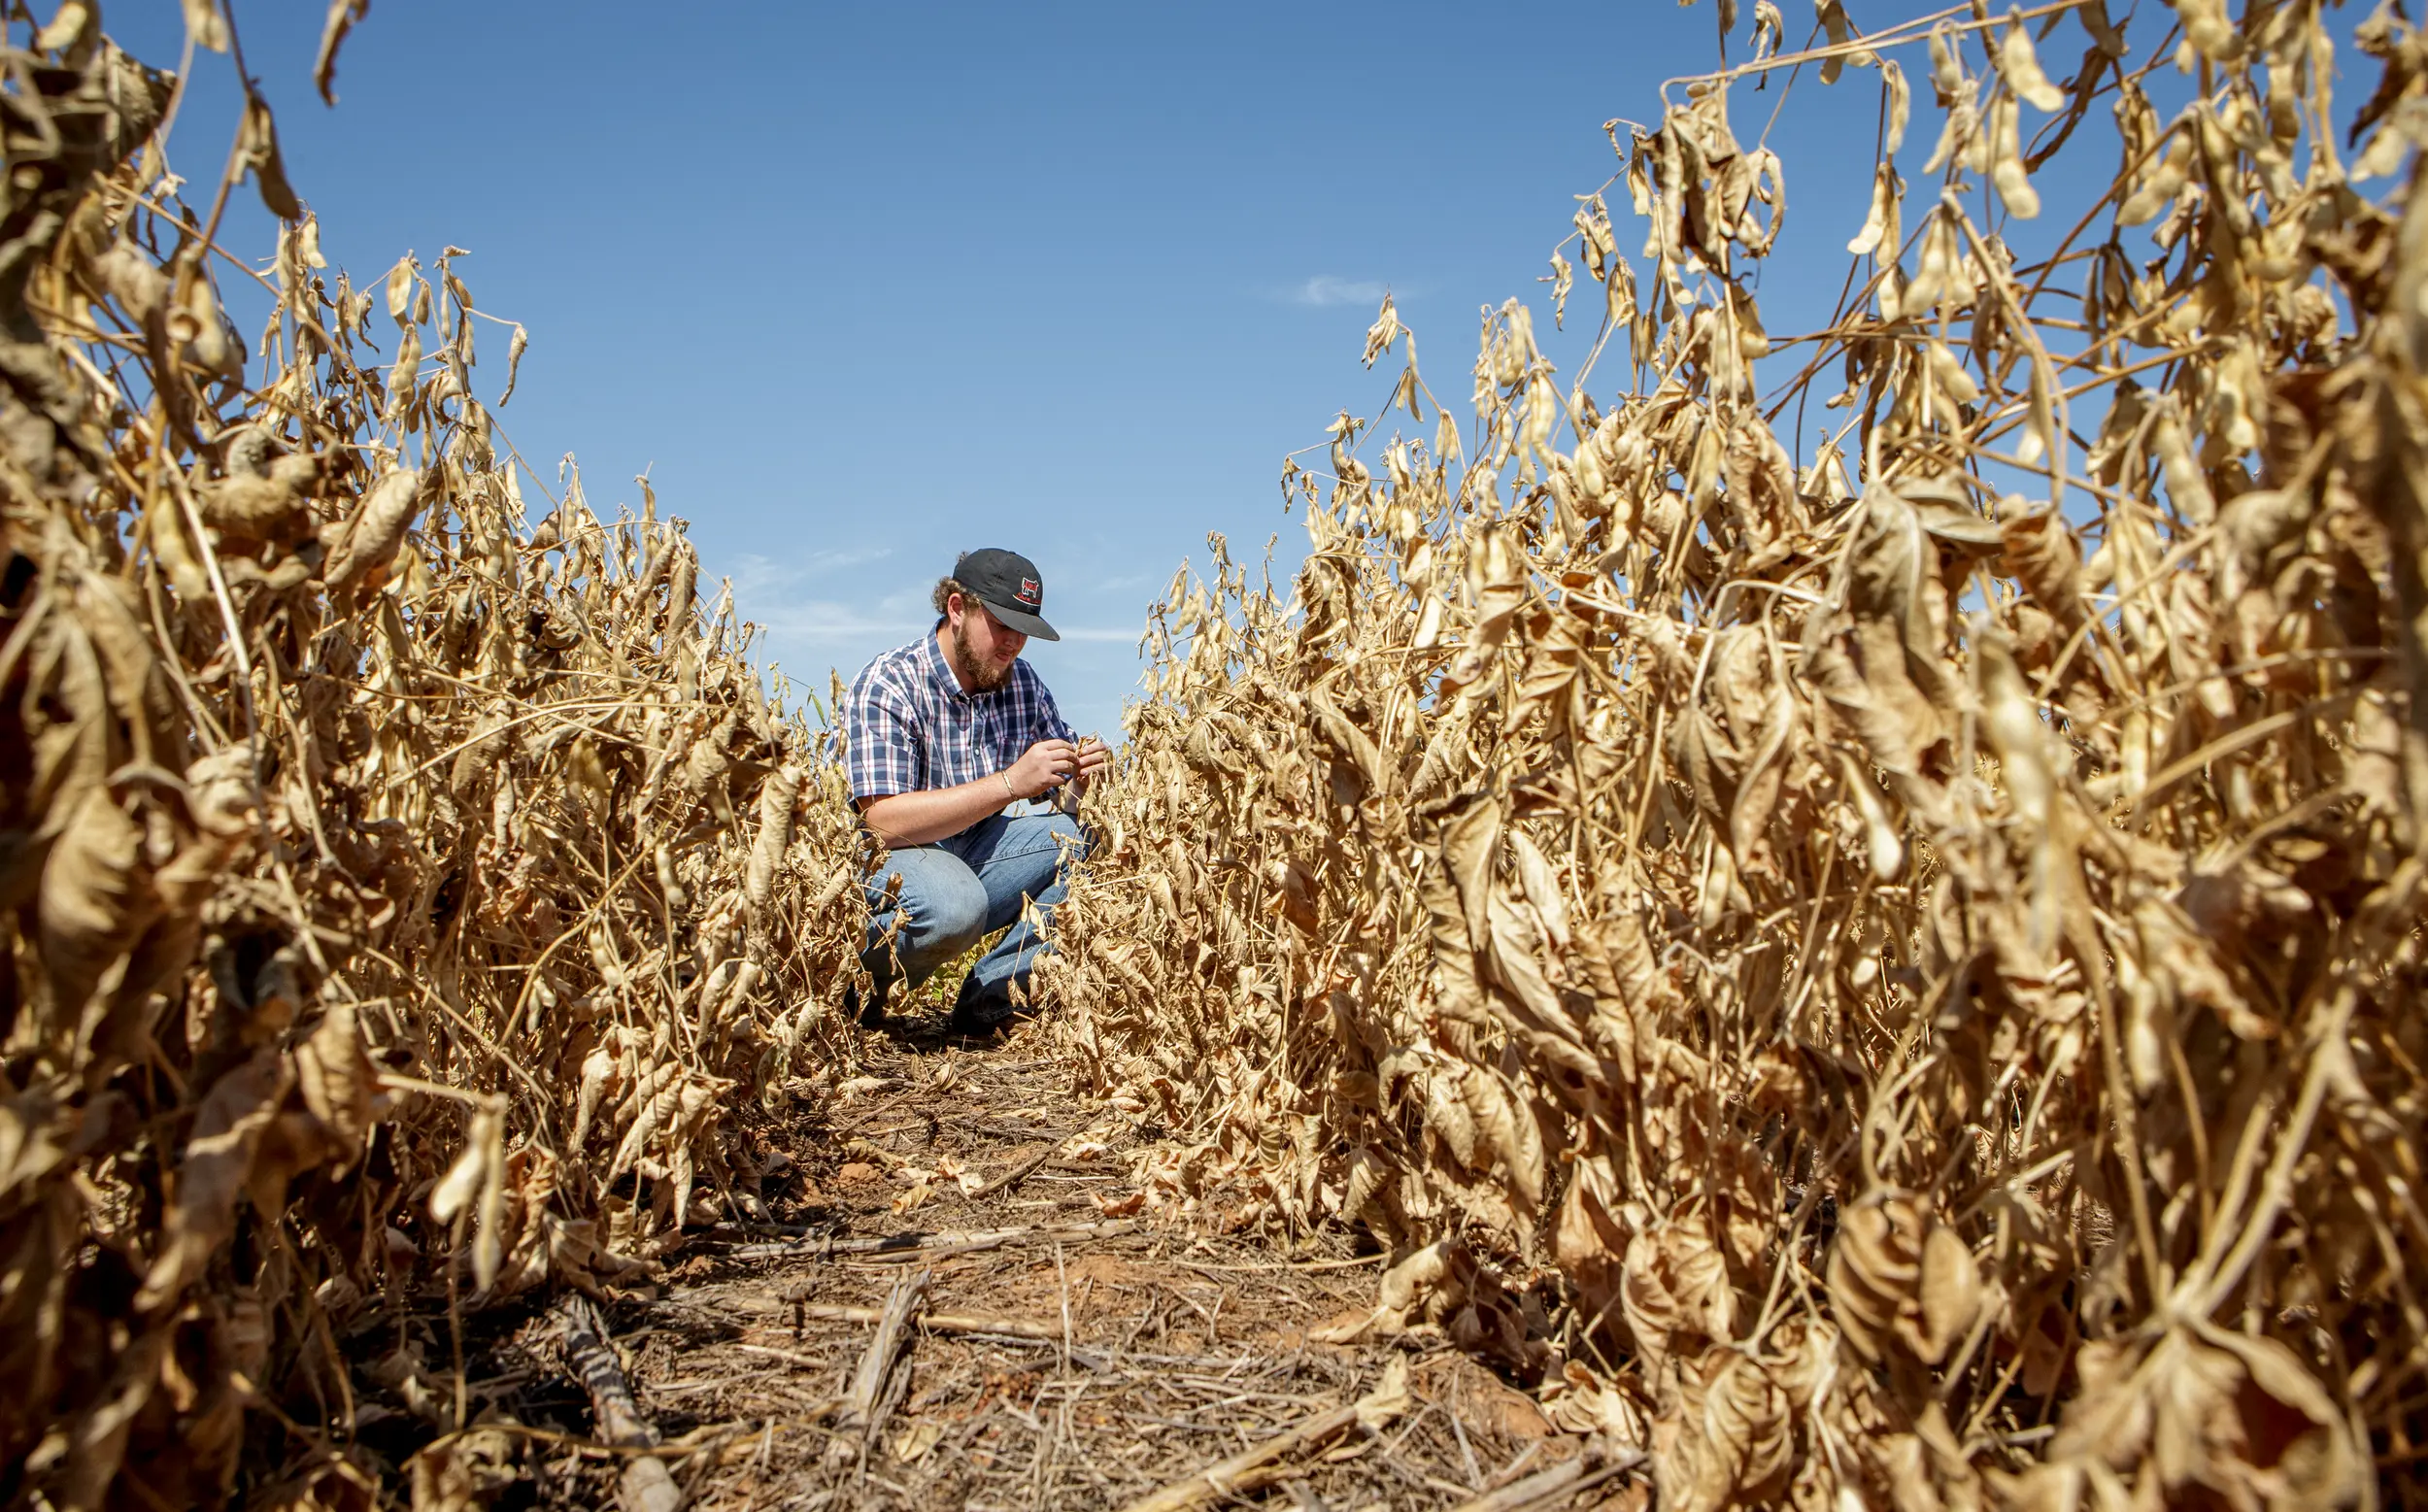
<point x="1325" y="289"/>
<point x="811" y="621"/>
<point x="754" y="573"/>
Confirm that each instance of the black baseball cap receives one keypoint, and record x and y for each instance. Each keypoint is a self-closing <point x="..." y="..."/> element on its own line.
<point x="1008" y="584"/>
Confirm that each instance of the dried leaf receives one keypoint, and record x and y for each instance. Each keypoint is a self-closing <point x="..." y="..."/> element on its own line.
<point x="205" y="25"/>
<point x="342" y="18"/>
<point x="261" y="155"/>
<point x="211" y="1175"/>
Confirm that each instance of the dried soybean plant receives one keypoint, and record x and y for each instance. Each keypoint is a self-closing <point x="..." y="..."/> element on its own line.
<point x="397" y="902"/>
<point x="1882" y="960"/>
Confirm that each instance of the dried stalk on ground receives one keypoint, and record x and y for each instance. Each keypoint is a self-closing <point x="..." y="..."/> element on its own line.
<point x="1884" y="961"/>
<point x="1280" y="1457"/>
<point x="645" y="1485"/>
<point x="875" y="1385"/>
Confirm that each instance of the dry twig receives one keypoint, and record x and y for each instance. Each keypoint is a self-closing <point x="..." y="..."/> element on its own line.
<point x="874" y="1385"/>
<point x="645" y="1485"/>
<point x="1280" y="1457"/>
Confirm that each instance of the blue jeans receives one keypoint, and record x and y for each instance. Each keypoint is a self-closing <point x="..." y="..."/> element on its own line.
<point x="955" y="891"/>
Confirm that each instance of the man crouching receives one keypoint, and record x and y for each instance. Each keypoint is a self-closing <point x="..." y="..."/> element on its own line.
<point x="964" y="769"/>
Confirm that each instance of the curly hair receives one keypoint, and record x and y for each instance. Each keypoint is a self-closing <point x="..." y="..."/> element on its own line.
<point x="946" y="587"/>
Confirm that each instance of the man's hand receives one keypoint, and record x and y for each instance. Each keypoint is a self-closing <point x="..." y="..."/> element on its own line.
<point x="1043" y="768"/>
<point x="1058" y="769"/>
<point x="1088" y="757"/>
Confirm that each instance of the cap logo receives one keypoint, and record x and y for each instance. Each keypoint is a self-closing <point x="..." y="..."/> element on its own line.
<point x="1029" y="590"/>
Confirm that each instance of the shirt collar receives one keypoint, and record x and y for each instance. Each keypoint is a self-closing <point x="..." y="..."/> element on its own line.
<point x="931" y="656"/>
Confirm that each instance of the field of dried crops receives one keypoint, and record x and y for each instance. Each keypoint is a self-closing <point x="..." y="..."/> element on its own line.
<point x="1873" y="940"/>
<point x="1840" y="907"/>
<point x="400" y="898"/>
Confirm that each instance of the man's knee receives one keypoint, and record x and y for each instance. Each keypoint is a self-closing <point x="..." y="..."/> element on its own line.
<point x="940" y="901"/>
<point x="957" y="906"/>
<point x="1037" y="859"/>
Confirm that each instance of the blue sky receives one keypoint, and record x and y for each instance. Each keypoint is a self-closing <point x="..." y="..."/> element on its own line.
<point x="865" y="286"/>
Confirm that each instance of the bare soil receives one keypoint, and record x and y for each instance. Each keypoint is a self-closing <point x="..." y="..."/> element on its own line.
<point x="1135" y="1354"/>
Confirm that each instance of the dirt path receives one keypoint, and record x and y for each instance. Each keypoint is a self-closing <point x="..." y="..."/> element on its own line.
<point x="1080" y="1363"/>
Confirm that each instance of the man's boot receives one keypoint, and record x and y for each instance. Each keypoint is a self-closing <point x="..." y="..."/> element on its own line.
<point x="980" y="1015"/>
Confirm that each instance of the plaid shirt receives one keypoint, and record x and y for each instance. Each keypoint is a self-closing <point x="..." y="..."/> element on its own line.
<point x="910" y="727"/>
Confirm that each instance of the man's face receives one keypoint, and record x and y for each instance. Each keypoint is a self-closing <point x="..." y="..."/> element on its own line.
<point x="983" y="649"/>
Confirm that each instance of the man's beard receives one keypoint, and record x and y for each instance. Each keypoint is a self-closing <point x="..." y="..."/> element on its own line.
<point x="982" y="679"/>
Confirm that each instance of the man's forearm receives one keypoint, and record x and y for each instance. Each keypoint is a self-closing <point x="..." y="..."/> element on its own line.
<point x="918" y="818"/>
